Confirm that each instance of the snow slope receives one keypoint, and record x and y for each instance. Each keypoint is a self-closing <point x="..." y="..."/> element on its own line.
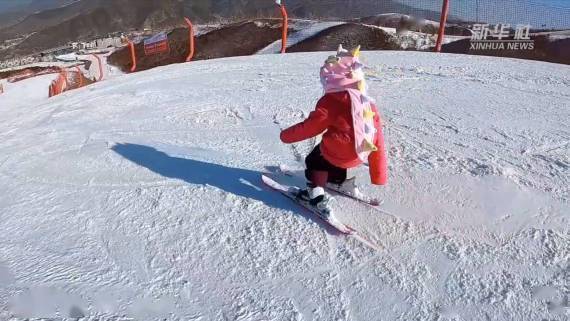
<point x="139" y="197"/>
<point x="305" y="29"/>
<point x="24" y="93"/>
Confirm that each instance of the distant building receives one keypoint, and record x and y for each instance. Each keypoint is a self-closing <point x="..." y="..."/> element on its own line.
<point x="101" y="43"/>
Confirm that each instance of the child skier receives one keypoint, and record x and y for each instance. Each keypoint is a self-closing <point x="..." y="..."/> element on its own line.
<point x="352" y="132"/>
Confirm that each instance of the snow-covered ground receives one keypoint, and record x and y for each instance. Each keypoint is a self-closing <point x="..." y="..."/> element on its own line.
<point x="305" y="29"/>
<point x="23" y="94"/>
<point x="140" y="197"/>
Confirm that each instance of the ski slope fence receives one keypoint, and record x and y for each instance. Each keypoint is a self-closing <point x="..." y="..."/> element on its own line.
<point x="26" y="74"/>
<point x="539" y="14"/>
<point x="192" y="39"/>
<point x="68" y="80"/>
<point x="59" y="85"/>
<point x="80" y="76"/>
<point x="443" y="15"/>
<point x="74" y="78"/>
<point x="191" y="46"/>
<point x="100" y="66"/>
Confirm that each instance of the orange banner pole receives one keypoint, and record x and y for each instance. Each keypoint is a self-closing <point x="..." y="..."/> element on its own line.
<point x="133" y="56"/>
<point x="442" y="24"/>
<point x="285" y="28"/>
<point x="100" y="67"/>
<point x="191" y="39"/>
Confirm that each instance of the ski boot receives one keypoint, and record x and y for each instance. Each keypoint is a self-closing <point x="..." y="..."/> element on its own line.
<point x="317" y="198"/>
<point x="348" y="187"/>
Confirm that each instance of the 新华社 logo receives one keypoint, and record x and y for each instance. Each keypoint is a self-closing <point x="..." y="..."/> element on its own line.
<point x="498" y="37"/>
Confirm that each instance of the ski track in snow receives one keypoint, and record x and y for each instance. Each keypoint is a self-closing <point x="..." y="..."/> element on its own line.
<point x="140" y="197"/>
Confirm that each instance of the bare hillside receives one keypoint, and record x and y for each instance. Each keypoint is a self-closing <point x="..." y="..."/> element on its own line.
<point x="88" y="19"/>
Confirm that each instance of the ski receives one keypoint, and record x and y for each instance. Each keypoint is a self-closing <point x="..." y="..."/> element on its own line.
<point x="291" y="193"/>
<point x="368" y="201"/>
<point x="285" y="170"/>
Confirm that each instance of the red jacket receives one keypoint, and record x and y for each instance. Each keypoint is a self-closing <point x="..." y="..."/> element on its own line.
<point x="333" y="114"/>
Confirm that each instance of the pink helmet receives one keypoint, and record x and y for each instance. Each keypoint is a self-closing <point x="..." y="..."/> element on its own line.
<point x="343" y="71"/>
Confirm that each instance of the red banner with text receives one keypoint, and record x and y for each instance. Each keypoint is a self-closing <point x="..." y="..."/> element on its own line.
<point x="156" y="44"/>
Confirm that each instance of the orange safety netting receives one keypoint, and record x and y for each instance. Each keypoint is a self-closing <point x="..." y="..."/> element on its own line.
<point x="68" y="80"/>
<point x="59" y="85"/>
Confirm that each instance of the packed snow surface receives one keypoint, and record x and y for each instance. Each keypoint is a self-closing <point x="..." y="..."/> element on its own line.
<point x="140" y="197"/>
<point x="24" y="93"/>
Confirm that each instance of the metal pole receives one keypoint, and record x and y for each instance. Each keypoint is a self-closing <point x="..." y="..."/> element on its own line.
<point x="191" y="39"/>
<point x="285" y="28"/>
<point x="133" y="56"/>
<point x="442" y="23"/>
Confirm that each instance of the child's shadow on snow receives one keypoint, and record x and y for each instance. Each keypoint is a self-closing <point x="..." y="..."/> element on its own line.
<point x="238" y="181"/>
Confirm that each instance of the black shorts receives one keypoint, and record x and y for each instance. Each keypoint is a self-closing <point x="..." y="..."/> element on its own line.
<point x="317" y="163"/>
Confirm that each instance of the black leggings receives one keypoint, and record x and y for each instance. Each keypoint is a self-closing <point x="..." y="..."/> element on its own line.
<point x="319" y="171"/>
